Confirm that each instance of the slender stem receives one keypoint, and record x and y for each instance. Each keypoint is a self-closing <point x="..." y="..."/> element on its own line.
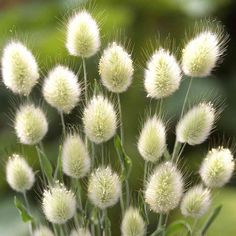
<point x="176" y="145"/>
<point x="120" y="118"/>
<point x="63" y="124"/>
<point x="102" y="154"/>
<point x="28" y="210"/>
<point x="85" y="81"/>
<point x="127" y="194"/>
<point x="160" y="107"/>
<point x="55" y="229"/>
<point x="160" y="223"/>
<point x="41" y="165"/>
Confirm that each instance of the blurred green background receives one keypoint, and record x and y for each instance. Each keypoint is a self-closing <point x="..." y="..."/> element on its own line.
<point x="41" y="24"/>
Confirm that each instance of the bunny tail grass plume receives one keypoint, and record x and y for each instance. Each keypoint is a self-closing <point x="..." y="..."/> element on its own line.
<point x="133" y="223"/>
<point x="80" y="232"/>
<point x="104" y="187"/>
<point x="30" y="124"/>
<point x="43" y="231"/>
<point x="196" y="202"/>
<point x="196" y="125"/>
<point x="99" y="119"/>
<point x="202" y="53"/>
<point x="217" y="167"/>
<point x="116" y="68"/>
<point x="162" y="75"/>
<point x="83" y="37"/>
<point x="19" y="174"/>
<point x="19" y="68"/>
<point x="61" y="89"/>
<point x="75" y="157"/>
<point x="152" y="140"/>
<point x="164" y="188"/>
<point x="59" y="204"/>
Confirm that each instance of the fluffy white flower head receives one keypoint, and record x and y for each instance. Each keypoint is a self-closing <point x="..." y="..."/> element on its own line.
<point x="196" y="202"/>
<point x="30" y="124"/>
<point x="43" y="231"/>
<point x="59" y="204"/>
<point x="61" y="89"/>
<point x="164" y="188"/>
<point x="19" y="174"/>
<point x="75" y="157"/>
<point x="19" y="68"/>
<point x="152" y="140"/>
<point x="80" y="232"/>
<point x="104" y="187"/>
<point x="99" y="119"/>
<point x="133" y="223"/>
<point x="217" y="167"/>
<point x="201" y="54"/>
<point x="116" y="68"/>
<point x="83" y="37"/>
<point x="196" y="125"/>
<point x="162" y="75"/>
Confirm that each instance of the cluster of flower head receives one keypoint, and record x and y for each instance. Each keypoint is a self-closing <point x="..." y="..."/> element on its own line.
<point x="164" y="187"/>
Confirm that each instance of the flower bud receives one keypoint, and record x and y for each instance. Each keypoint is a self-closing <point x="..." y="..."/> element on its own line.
<point x="59" y="204"/>
<point x="43" y="231"/>
<point x="19" y="68"/>
<point x="196" y="202"/>
<point x="83" y="38"/>
<point x="201" y="54"/>
<point x="19" y="174"/>
<point x="80" y="232"/>
<point x="104" y="187"/>
<point x="61" y="89"/>
<point x="116" y="68"/>
<point x="99" y="120"/>
<point x="196" y="125"/>
<point x="30" y="124"/>
<point x="152" y="140"/>
<point x="162" y="75"/>
<point x="133" y="223"/>
<point x="217" y="167"/>
<point x="164" y="188"/>
<point x="75" y="157"/>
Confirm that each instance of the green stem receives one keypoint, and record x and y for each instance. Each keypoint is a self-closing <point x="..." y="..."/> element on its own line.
<point x="28" y="210"/>
<point x="63" y="124"/>
<point x="85" y="81"/>
<point x="55" y="230"/>
<point x="41" y="165"/>
<point x="102" y="154"/>
<point x="127" y="191"/>
<point x="177" y="144"/>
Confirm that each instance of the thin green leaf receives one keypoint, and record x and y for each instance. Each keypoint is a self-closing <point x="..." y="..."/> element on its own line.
<point x="25" y="216"/>
<point x="177" y="226"/>
<point x="126" y="162"/>
<point x="210" y="220"/>
<point x="58" y="172"/>
<point x="46" y="165"/>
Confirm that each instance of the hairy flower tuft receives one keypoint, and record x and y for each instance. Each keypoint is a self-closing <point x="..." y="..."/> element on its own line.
<point x="162" y="75"/>
<point x="75" y="157"/>
<point x="133" y="223"/>
<point x="19" y="174"/>
<point x="80" y="232"/>
<point x="152" y="140"/>
<point x="59" y="204"/>
<point x="196" y="202"/>
<point x="43" y="231"/>
<point x="196" y="125"/>
<point x="61" y="89"/>
<point x="202" y="53"/>
<point x="99" y="119"/>
<point x="217" y="167"/>
<point x="164" y="188"/>
<point x="104" y="187"/>
<point x="19" y="68"/>
<point x="116" y="68"/>
<point x="83" y="37"/>
<point x="30" y="124"/>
